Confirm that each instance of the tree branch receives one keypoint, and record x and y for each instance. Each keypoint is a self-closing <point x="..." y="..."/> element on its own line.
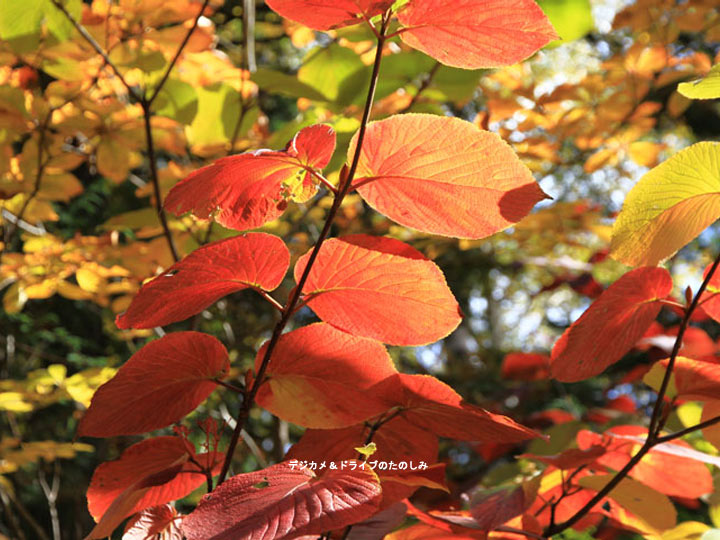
<point x="184" y="42"/>
<point x="656" y="421"/>
<point x="98" y="49"/>
<point x="346" y="181"/>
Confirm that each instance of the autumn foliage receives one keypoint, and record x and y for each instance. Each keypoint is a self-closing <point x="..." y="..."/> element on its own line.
<point x="287" y="260"/>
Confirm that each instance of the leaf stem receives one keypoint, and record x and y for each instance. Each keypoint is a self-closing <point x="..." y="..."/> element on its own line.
<point x="297" y="292"/>
<point x="656" y="420"/>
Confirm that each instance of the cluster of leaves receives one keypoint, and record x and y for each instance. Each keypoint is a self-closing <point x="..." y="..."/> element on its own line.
<point x="141" y="89"/>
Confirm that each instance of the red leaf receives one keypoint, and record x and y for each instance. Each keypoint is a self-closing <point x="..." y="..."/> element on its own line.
<point x="326" y="15"/>
<point x="397" y="440"/>
<point x="313" y="366"/>
<point x="257" y="260"/>
<point x="246" y="191"/>
<point x="158" y="520"/>
<point x="476" y="34"/>
<point x="443" y="175"/>
<point x="129" y="499"/>
<point x="493" y="507"/>
<point x="571" y="458"/>
<point x="160" y="384"/>
<point x="526" y="366"/>
<point x="279" y="502"/>
<point x="611" y="325"/>
<point x="710" y="301"/>
<point x="433" y="405"/>
<point x="695" y="379"/>
<point x="664" y="472"/>
<point x="364" y="285"/>
<point x="147" y="467"/>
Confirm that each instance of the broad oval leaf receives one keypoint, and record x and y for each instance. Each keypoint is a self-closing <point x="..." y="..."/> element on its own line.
<point x="706" y="88"/>
<point x="160" y="384"/>
<point x="474" y="34"/>
<point x="143" y="461"/>
<point x="611" y="325"/>
<point x="364" y="285"/>
<point x="431" y="404"/>
<point x="256" y="260"/>
<point x="314" y="365"/>
<point x="160" y="520"/>
<point x="645" y="503"/>
<point x="443" y="175"/>
<point x="247" y="190"/>
<point x="691" y="379"/>
<point x="669" y="206"/>
<point x="492" y="507"/>
<point x="283" y="501"/>
<point x="328" y="14"/>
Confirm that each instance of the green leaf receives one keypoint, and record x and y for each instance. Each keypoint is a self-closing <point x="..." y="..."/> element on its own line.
<point x="669" y="207"/>
<point x="277" y="82"/>
<point x="218" y="111"/>
<point x="572" y="19"/>
<point x="326" y="70"/>
<point x="57" y="23"/>
<point x="20" y="24"/>
<point x="177" y="100"/>
<point x="706" y="88"/>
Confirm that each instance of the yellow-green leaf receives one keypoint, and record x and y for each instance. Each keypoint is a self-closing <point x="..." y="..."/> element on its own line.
<point x="706" y="88"/>
<point x="648" y="505"/>
<point x="669" y="206"/>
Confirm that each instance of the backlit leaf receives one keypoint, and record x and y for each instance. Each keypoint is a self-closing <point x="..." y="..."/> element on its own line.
<point x="161" y="520"/>
<point x="247" y="190"/>
<point x="706" y="88"/>
<point x="669" y="206"/>
<point x="256" y="260"/>
<point x="139" y="462"/>
<point x="652" y="507"/>
<point x="160" y="384"/>
<point x="312" y="366"/>
<point x="476" y="34"/>
<point x="364" y="285"/>
<point x="283" y="501"/>
<point x="611" y="325"/>
<point x="431" y="404"/>
<point x="443" y="176"/>
<point x="691" y="379"/>
<point x="327" y="14"/>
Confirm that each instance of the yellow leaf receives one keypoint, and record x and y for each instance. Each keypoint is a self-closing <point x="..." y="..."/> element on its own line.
<point x="14" y="298"/>
<point x="14" y="402"/>
<point x="649" y="506"/>
<point x="669" y="206"/>
<point x="367" y="450"/>
<point x="706" y="88"/>
<point x="689" y="530"/>
<point x="88" y="280"/>
<point x="645" y="153"/>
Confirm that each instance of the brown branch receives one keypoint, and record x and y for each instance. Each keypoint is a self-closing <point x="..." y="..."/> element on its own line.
<point x="656" y="421"/>
<point x="98" y="49"/>
<point x="346" y="181"/>
<point x="41" y="164"/>
<point x="183" y="43"/>
<point x="427" y="80"/>
<point x="688" y="430"/>
<point x="147" y="117"/>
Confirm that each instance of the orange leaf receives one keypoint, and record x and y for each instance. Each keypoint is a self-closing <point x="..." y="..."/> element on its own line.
<point x="474" y="34"/>
<point x="282" y="502"/>
<point x="160" y="384"/>
<point x="493" y="507"/>
<point x="151" y="464"/>
<point x="443" y="175"/>
<point x="525" y="366"/>
<point x="329" y="14"/>
<point x="257" y="260"/>
<point x="667" y="473"/>
<point x="364" y="285"/>
<point x="312" y="366"/>
<point x="611" y="325"/>
<point x="248" y="190"/>
<point x="431" y="404"/>
<point x="694" y="379"/>
<point x="158" y="520"/>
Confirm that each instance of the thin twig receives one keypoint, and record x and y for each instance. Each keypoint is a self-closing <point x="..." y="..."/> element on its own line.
<point x="154" y="177"/>
<point x="98" y="49"/>
<point x="688" y="430"/>
<point x="229" y="386"/>
<point x="427" y="80"/>
<point x="266" y="295"/>
<point x="179" y="51"/>
<point x="249" y="34"/>
<point x="51" y="494"/>
<point x="295" y="296"/>
<point x="24" y="513"/>
<point x="656" y="421"/>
